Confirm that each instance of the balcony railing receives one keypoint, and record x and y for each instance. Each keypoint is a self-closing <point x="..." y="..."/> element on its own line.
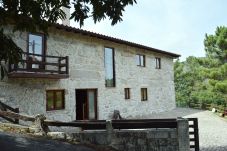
<point x="40" y="66"/>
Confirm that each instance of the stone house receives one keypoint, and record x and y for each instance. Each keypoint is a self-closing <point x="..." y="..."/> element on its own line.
<point x="76" y="74"/>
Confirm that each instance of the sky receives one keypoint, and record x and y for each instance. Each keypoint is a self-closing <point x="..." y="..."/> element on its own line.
<point x="178" y="26"/>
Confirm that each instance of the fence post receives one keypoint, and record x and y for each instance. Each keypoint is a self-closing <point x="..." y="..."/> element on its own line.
<point x="16" y="111"/>
<point x="183" y="134"/>
<point x="109" y="131"/>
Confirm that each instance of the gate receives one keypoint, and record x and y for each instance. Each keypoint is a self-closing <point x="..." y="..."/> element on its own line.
<point x="193" y="134"/>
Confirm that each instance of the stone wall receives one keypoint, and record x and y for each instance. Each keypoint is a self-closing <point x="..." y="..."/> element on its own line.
<point x="140" y="140"/>
<point x="131" y="140"/>
<point x="86" y="70"/>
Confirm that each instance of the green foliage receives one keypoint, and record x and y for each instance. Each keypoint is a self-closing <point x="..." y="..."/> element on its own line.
<point x="98" y="10"/>
<point x="221" y="86"/>
<point x="216" y="45"/>
<point x="9" y="52"/>
<point x="198" y="84"/>
<point x="204" y="80"/>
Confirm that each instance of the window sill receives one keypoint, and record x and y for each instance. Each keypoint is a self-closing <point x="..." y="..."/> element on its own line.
<point x="55" y="110"/>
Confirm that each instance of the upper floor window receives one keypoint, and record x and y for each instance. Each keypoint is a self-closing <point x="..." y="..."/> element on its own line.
<point x="143" y="94"/>
<point x="36" y="44"/>
<point x="158" y="63"/>
<point x="36" y="50"/>
<point x="127" y="93"/>
<point x="109" y="67"/>
<point x="55" y="99"/>
<point x="140" y="60"/>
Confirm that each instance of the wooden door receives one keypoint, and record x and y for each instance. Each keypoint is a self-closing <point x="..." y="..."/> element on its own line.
<point x="86" y="104"/>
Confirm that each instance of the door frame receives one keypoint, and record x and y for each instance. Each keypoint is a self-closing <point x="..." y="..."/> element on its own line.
<point x="95" y="90"/>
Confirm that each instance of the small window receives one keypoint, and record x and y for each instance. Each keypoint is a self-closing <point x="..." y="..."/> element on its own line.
<point x="127" y="93"/>
<point x="55" y="100"/>
<point x="143" y="94"/>
<point x="158" y="63"/>
<point x="140" y="60"/>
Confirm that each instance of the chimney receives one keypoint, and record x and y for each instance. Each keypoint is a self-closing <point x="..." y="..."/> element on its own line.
<point x="66" y="21"/>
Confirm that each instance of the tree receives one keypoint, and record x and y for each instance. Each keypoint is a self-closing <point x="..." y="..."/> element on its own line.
<point x="38" y="15"/>
<point x="204" y="80"/>
<point x="216" y="45"/>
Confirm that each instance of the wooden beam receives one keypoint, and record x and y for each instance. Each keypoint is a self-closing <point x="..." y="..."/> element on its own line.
<point x="37" y="75"/>
<point x="16" y="116"/>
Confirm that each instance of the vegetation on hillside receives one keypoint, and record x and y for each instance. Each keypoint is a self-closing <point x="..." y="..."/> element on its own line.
<point x="204" y="80"/>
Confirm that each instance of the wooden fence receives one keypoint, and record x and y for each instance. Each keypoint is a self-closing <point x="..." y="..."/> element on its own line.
<point x="219" y="108"/>
<point x="203" y="106"/>
<point x="116" y="124"/>
<point x="5" y="107"/>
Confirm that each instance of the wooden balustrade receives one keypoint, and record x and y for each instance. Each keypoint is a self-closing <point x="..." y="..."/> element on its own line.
<point x="40" y="66"/>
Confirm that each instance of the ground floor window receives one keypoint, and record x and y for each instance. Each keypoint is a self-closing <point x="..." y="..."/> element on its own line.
<point x="55" y="99"/>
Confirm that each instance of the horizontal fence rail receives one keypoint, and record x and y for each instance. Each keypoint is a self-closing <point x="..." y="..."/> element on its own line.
<point x="118" y="124"/>
<point x="41" y="63"/>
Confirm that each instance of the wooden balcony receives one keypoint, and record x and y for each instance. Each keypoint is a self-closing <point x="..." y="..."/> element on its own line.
<point x="40" y="66"/>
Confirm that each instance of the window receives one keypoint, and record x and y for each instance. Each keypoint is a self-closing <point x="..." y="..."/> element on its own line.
<point x="109" y="67"/>
<point x="36" y="44"/>
<point x="36" y="47"/>
<point x="127" y="93"/>
<point x="158" y="63"/>
<point x="140" y="60"/>
<point x="55" y="99"/>
<point x="143" y="94"/>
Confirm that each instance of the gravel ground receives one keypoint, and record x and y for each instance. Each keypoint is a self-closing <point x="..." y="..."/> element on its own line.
<point x="212" y="131"/>
<point x="212" y="128"/>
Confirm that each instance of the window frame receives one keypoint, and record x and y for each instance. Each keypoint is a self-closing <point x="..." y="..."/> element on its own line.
<point x="127" y="93"/>
<point x="140" y="62"/>
<point x="54" y="91"/>
<point x="144" y="95"/>
<point x="157" y="63"/>
<point x="113" y="58"/>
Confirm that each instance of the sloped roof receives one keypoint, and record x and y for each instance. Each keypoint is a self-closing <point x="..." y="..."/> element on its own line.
<point x="112" y="39"/>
